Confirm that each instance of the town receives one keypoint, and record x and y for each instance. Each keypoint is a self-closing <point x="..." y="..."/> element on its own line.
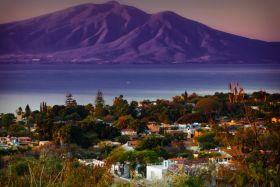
<point x="222" y="139"/>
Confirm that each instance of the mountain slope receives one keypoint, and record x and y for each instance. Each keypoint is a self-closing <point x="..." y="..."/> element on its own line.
<point x="114" y="33"/>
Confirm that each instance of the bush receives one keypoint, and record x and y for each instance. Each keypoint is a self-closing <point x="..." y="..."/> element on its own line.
<point x="206" y="140"/>
<point x="19" y="168"/>
<point x="53" y="171"/>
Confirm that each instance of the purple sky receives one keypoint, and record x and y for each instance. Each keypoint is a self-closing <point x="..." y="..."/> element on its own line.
<point x="259" y="19"/>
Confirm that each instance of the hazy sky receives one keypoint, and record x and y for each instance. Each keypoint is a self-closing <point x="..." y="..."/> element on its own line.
<point x="259" y="19"/>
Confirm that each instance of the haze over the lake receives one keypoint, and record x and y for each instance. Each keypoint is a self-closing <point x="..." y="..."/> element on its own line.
<point x="32" y="84"/>
<point x="257" y="19"/>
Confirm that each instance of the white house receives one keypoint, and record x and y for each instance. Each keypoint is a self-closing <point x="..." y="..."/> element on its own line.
<point x="127" y="147"/>
<point x="91" y="162"/>
<point x="156" y="172"/>
<point x="223" y="158"/>
<point x="129" y="132"/>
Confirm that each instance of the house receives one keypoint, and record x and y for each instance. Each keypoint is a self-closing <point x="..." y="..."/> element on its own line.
<point x="4" y="146"/>
<point x="44" y="143"/>
<point x="234" y="152"/>
<point x="223" y="158"/>
<point x="275" y="120"/>
<point x="121" y="169"/>
<point x="127" y="147"/>
<point x="178" y="160"/>
<point x="129" y="132"/>
<point x="4" y="143"/>
<point x="91" y="162"/>
<point x="154" y="129"/>
<point x="194" y="165"/>
<point x="4" y="140"/>
<point x="165" y="126"/>
<point x="197" y="133"/>
<point x="24" y="140"/>
<point x="156" y="172"/>
<point x="191" y="145"/>
<point x="133" y="143"/>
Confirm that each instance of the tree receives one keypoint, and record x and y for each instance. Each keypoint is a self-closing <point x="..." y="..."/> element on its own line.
<point x="123" y="139"/>
<point x="43" y="107"/>
<point x="125" y="122"/>
<point x="28" y="116"/>
<point x="7" y="120"/>
<point x="185" y="96"/>
<point x="70" y="101"/>
<point x="193" y="96"/>
<point x="236" y="94"/>
<point x="207" y="140"/>
<point x="99" y="105"/>
<point x="120" y="106"/>
<point x="69" y="134"/>
<point x="208" y="105"/>
<point x="133" y="109"/>
<point x="27" y="111"/>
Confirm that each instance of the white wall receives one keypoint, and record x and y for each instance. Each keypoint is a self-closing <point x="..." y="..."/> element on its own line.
<point x="155" y="172"/>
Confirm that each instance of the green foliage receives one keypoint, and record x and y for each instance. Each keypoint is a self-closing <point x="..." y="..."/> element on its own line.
<point x="102" y="130"/>
<point x="179" y="179"/>
<point x="17" y="129"/>
<point x="74" y="134"/>
<point x="203" y="154"/>
<point x="27" y="111"/>
<point x="99" y="110"/>
<point x="208" y="105"/>
<point x="19" y="168"/>
<point x="192" y="118"/>
<point x="120" y="106"/>
<point x="207" y="140"/>
<point x="15" y="150"/>
<point x="150" y="142"/>
<point x="123" y="139"/>
<point x="7" y="120"/>
<point x="105" y="148"/>
<point x="53" y="171"/>
<point x="133" y="157"/>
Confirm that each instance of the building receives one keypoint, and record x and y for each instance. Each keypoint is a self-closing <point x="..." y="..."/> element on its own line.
<point x="129" y="132"/>
<point x="91" y="162"/>
<point x="154" y="129"/>
<point x="24" y="140"/>
<point x="223" y="158"/>
<point x="156" y="172"/>
<point x="275" y="120"/>
<point x="194" y="165"/>
<point x="44" y="143"/>
<point x="191" y="145"/>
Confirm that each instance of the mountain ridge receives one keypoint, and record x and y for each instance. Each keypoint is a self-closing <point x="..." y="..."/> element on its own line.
<point x="115" y="33"/>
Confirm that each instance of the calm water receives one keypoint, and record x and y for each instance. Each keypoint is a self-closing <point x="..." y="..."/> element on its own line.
<point x="22" y="84"/>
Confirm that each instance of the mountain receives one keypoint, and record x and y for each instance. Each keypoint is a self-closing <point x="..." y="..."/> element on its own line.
<point x="115" y="33"/>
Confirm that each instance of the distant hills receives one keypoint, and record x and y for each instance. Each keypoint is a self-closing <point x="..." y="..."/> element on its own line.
<point x="115" y="33"/>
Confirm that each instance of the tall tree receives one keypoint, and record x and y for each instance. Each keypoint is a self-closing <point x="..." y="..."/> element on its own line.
<point x="28" y="115"/>
<point x="185" y="96"/>
<point x="43" y="107"/>
<point x="120" y="106"/>
<point x="70" y="101"/>
<point x="27" y="111"/>
<point x="99" y="105"/>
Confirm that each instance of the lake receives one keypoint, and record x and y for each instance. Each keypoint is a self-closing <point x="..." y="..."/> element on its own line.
<point x="32" y="84"/>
